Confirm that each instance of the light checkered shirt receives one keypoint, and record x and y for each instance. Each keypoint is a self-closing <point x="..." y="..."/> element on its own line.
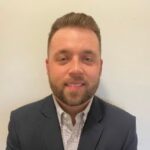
<point x="71" y="133"/>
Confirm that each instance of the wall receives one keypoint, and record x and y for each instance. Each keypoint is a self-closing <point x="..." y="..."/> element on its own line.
<point x="125" y="29"/>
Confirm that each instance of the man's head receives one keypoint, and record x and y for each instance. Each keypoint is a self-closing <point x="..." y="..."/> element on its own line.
<point x="74" y="60"/>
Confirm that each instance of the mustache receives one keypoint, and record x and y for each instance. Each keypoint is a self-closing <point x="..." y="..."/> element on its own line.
<point x="76" y="79"/>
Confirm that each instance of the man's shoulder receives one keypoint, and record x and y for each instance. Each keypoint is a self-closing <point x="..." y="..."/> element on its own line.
<point x="31" y="108"/>
<point x="112" y="112"/>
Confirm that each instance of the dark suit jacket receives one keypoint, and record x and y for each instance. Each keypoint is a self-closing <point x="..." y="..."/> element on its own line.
<point x="36" y="127"/>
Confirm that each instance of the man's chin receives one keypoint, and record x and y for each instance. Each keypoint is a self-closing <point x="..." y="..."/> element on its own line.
<point x="75" y="100"/>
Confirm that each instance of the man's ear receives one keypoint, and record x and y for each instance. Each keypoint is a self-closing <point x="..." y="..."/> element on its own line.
<point x="101" y="61"/>
<point x="46" y="61"/>
<point x="47" y="64"/>
<point x="101" y="66"/>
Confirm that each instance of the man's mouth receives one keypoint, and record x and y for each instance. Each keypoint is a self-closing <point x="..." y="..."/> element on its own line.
<point x="75" y="85"/>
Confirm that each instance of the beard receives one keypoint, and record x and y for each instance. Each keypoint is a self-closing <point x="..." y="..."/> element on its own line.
<point x="74" y="98"/>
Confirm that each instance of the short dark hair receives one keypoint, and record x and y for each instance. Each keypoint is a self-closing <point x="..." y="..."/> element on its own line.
<point x="73" y="19"/>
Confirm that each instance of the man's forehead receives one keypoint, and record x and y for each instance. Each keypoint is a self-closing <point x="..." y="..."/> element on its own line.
<point x="72" y="30"/>
<point x="63" y="38"/>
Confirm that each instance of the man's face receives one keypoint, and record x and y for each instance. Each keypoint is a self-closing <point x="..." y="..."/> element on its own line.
<point x="74" y="65"/>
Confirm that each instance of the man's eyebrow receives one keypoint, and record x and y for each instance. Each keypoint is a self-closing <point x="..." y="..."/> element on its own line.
<point x="63" y="51"/>
<point x="66" y="51"/>
<point x="88" y="51"/>
<point x="60" y="52"/>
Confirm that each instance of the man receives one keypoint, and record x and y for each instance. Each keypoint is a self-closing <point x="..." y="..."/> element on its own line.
<point x="72" y="118"/>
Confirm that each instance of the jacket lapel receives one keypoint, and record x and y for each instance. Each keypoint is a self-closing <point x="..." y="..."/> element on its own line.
<point x="93" y="127"/>
<point x="51" y="130"/>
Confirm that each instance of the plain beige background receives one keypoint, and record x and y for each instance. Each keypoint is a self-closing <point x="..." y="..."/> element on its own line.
<point x="125" y="29"/>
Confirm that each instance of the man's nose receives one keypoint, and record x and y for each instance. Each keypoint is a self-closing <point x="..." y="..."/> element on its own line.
<point x="76" y="67"/>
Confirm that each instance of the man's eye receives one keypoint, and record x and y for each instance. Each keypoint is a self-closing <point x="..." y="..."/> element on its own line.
<point x="62" y="59"/>
<point x="88" y="59"/>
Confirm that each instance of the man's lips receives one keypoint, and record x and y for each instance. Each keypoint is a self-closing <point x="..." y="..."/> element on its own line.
<point x="75" y="85"/>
